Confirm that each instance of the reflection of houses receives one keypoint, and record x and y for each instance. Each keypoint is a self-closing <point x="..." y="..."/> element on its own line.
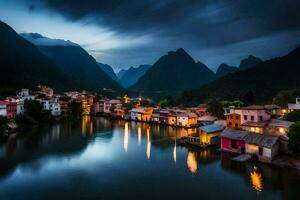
<point x="87" y="103"/>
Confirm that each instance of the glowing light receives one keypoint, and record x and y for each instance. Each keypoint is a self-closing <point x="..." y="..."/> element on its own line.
<point x="148" y="151"/>
<point x="192" y="163"/>
<point x="175" y="153"/>
<point x="281" y="130"/>
<point x="126" y="136"/>
<point x="139" y="135"/>
<point x="256" y="180"/>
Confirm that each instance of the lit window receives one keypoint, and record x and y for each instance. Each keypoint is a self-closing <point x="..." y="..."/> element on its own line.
<point x="281" y="130"/>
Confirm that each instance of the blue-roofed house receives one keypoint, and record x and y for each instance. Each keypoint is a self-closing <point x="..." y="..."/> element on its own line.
<point x="209" y="134"/>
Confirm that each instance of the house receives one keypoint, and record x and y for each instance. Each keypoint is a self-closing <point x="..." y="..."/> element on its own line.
<point x="52" y="105"/>
<point x="254" y="113"/>
<point x="274" y="109"/>
<point x="155" y="116"/>
<point x="186" y="119"/>
<point x="201" y="110"/>
<point x="233" y="120"/>
<point x="24" y="95"/>
<point x="209" y="134"/>
<point x="141" y="114"/>
<point x="265" y="147"/>
<point x="20" y="104"/>
<point x="119" y="113"/>
<point x="3" y="110"/>
<point x="233" y="140"/>
<point x="172" y="118"/>
<point x="163" y="116"/>
<point x="109" y="105"/>
<point x="8" y="109"/>
<point x="294" y="106"/>
<point x="208" y="119"/>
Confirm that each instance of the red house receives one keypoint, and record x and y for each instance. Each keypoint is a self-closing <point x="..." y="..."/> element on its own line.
<point x="11" y="109"/>
<point x="233" y="140"/>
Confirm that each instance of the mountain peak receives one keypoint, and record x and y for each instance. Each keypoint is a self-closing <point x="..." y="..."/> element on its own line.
<point x="41" y="40"/>
<point x="250" y="61"/>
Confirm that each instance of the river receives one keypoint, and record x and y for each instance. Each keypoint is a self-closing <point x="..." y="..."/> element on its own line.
<point x="103" y="159"/>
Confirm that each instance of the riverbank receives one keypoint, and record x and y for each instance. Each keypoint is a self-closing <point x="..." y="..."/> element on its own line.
<point x="287" y="162"/>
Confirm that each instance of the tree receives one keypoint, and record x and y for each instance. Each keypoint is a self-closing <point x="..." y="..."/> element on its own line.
<point x="293" y="116"/>
<point x="294" y="138"/>
<point x="215" y="107"/>
<point x="283" y="98"/>
<point x="248" y="97"/>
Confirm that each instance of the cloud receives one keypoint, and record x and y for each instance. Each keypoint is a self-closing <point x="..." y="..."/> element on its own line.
<point x="142" y="30"/>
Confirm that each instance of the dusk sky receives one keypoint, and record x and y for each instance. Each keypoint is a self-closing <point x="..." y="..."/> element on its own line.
<point x="133" y="32"/>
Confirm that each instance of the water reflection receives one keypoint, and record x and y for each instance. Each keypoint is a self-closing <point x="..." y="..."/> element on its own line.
<point x="192" y="162"/>
<point x="126" y="136"/>
<point x="256" y="180"/>
<point x="28" y="163"/>
<point x="148" y="150"/>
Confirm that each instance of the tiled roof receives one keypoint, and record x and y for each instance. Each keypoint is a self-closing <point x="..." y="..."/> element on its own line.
<point x="256" y="124"/>
<point x="234" y="134"/>
<point x="207" y="118"/>
<point x="211" y="128"/>
<point x="261" y="140"/>
<point x="280" y="123"/>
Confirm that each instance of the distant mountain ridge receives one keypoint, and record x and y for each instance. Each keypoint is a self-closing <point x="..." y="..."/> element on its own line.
<point x="23" y="65"/>
<point x="108" y="70"/>
<point x="263" y="80"/>
<point x="76" y="62"/>
<point x="130" y="76"/>
<point x="171" y="74"/>
<point x="224" y="69"/>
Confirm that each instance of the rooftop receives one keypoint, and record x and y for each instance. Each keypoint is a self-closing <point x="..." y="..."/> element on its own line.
<point x="261" y="140"/>
<point x="234" y="134"/>
<point x="280" y="123"/>
<point x="211" y="128"/>
<point x="256" y="124"/>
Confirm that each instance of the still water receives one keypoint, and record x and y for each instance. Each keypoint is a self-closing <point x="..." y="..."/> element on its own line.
<point x="101" y="159"/>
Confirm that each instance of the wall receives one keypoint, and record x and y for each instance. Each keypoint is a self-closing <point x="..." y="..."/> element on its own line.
<point x="225" y="143"/>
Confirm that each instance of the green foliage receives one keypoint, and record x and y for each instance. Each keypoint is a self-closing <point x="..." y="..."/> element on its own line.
<point x="283" y="98"/>
<point x="293" y="116"/>
<point x="146" y="103"/>
<point x="215" y="107"/>
<point x="235" y="103"/>
<point x="35" y="110"/>
<point x="294" y="138"/>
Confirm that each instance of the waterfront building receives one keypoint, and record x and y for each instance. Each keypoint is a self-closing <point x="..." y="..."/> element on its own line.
<point x="209" y="134"/>
<point x="52" y="105"/>
<point x="8" y="109"/>
<point x="233" y="120"/>
<point x="20" y="104"/>
<point x="25" y="95"/>
<point x="186" y="119"/>
<point x="265" y="147"/>
<point x="205" y="120"/>
<point x="233" y="140"/>
<point x="155" y="116"/>
<point x="141" y="114"/>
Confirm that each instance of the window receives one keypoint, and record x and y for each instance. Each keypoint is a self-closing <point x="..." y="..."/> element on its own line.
<point x="245" y="117"/>
<point x="236" y="125"/>
<point x="260" y="118"/>
<point x="231" y="117"/>
<point x="252" y="118"/>
<point x="237" y="117"/>
<point x="230" y="123"/>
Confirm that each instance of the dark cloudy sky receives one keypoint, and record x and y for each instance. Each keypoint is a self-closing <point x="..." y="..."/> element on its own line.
<point x="132" y="32"/>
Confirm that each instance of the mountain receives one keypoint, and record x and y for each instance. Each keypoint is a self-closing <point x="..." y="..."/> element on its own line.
<point x="74" y="61"/>
<point x="249" y="62"/>
<point x="171" y="74"/>
<point x="225" y="69"/>
<point x="108" y="70"/>
<point x="132" y="75"/>
<point x="263" y="80"/>
<point x="23" y="65"/>
<point x="121" y="73"/>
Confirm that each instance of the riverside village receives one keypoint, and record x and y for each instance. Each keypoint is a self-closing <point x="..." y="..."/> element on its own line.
<point x="253" y="132"/>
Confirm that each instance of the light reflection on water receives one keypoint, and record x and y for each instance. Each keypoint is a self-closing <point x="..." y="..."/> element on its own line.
<point x="111" y="156"/>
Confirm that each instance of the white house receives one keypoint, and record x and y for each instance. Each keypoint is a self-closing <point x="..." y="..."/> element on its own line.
<point x="3" y="110"/>
<point x="294" y="106"/>
<point x="52" y="105"/>
<point x="24" y="95"/>
<point x="20" y="104"/>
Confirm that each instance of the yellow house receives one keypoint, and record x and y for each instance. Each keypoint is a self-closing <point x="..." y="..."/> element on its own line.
<point x="209" y="134"/>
